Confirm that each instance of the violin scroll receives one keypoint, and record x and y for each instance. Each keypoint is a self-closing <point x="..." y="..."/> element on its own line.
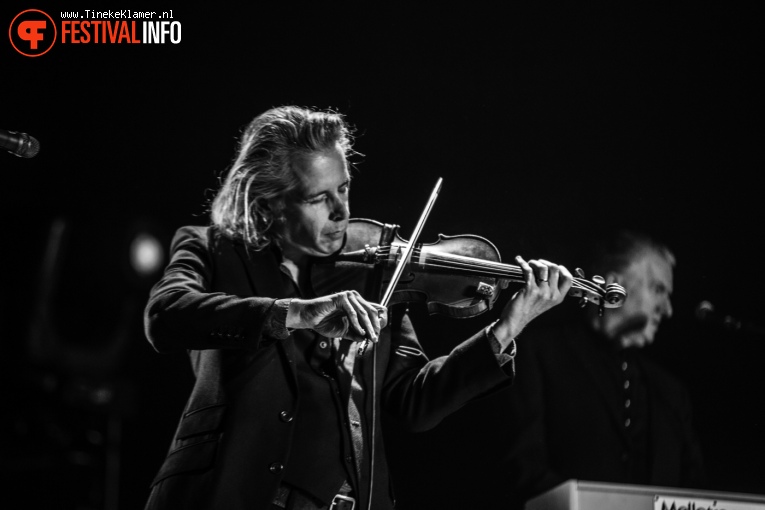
<point x="597" y="292"/>
<point x="607" y="296"/>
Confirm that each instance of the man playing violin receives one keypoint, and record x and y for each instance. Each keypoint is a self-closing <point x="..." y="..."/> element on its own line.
<point x="285" y="410"/>
<point x="588" y="404"/>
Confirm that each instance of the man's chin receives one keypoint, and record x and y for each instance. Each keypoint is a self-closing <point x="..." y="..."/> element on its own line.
<point x="638" y="339"/>
<point x="328" y="248"/>
<point x="650" y="331"/>
<point x="645" y="338"/>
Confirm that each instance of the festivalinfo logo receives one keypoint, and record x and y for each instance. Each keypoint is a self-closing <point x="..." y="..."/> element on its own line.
<point x="33" y="32"/>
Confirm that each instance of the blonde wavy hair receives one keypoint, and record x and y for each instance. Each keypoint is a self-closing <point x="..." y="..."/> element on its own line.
<point x="251" y="199"/>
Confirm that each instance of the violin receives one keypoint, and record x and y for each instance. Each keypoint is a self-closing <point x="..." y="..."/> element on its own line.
<point x="457" y="276"/>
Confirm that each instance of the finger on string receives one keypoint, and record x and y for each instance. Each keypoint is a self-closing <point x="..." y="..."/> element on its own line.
<point x="565" y="279"/>
<point x="553" y="274"/>
<point x="541" y="271"/>
<point x="528" y="273"/>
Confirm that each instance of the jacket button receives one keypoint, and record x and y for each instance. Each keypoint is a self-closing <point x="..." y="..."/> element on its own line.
<point x="349" y="459"/>
<point x="276" y="468"/>
<point x="285" y="416"/>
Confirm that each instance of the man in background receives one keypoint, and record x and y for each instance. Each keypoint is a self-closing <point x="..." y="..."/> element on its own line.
<point x="588" y="404"/>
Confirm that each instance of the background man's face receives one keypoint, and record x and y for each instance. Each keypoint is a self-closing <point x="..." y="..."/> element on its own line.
<point x="648" y="281"/>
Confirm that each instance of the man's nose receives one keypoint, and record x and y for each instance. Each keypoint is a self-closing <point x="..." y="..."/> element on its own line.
<point x="668" y="307"/>
<point x="340" y="210"/>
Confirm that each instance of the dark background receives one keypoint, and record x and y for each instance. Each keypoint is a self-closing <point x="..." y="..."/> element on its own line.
<point x="549" y="123"/>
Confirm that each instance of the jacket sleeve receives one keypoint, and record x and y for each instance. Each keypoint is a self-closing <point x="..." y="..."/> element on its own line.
<point x="419" y="393"/>
<point x="183" y="313"/>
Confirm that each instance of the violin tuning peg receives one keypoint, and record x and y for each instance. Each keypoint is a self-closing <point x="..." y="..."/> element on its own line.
<point x="579" y="272"/>
<point x="599" y="280"/>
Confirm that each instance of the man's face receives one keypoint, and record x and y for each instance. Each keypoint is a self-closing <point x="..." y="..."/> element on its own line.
<point x="648" y="281"/>
<point x="317" y="216"/>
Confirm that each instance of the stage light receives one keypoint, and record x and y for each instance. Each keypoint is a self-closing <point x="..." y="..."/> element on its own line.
<point x="147" y="256"/>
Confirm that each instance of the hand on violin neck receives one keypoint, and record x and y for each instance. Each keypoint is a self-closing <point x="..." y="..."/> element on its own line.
<point x="546" y="285"/>
<point x="344" y="314"/>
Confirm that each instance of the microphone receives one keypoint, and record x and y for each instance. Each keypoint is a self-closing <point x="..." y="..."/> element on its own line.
<point x="19" y="144"/>
<point x="705" y="312"/>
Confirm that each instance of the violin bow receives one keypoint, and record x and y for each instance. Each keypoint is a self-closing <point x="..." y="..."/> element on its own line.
<point x="406" y="255"/>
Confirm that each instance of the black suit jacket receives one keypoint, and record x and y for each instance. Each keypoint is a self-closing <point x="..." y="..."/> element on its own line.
<point x="567" y="418"/>
<point x="234" y="438"/>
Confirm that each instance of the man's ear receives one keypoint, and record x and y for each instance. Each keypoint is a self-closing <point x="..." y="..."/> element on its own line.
<point x="264" y="211"/>
<point x="276" y="208"/>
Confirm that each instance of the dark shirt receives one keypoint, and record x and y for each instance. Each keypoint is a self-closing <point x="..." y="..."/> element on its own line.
<point x="581" y="409"/>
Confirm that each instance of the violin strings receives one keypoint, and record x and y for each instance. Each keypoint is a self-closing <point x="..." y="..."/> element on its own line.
<point x="576" y="283"/>
<point x="467" y="262"/>
<point x="483" y="268"/>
